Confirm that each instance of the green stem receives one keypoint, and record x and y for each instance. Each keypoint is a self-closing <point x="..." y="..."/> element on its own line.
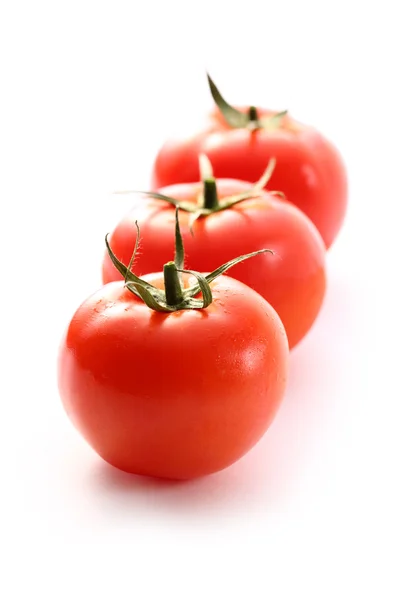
<point x="253" y="115"/>
<point x="210" y="194"/>
<point x="173" y="290"/>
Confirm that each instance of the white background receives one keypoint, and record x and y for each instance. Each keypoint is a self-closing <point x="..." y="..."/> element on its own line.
<point x="88" y="91"/>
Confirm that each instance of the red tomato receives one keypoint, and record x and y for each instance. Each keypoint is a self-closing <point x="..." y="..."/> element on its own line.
<point x="292" y="280"/>
<point x="309" y="169"/>
<point x="175" y="395"/>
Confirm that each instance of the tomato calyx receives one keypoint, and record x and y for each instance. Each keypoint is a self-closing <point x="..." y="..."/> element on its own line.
<point x="175" y="296"/>
<point x="207" y="199"/>
<point x="241" y="120"/>
<point x="208" y="202"/>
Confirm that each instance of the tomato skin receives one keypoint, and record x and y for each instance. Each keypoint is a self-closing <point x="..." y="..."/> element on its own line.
<point x="173" y="395"/>
<point x="293" y="280"/>
<point x="309" y="170"/>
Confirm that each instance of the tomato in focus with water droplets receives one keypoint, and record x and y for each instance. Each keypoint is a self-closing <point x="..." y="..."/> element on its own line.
<point x="174" y="395"/>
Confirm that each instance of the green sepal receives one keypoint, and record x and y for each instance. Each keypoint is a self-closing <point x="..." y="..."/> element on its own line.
<point x="203" y="284"/>
<point x="130" y="277"/>
<point x="238" y="120"/>
<point x="194" y="216"/>
<point x="151" y="301"/>
<point x="274" y="121"/>
<point x="231" y="263"/>
<point x="179" y="257"/>
<point x="224" y="268"/>
<point x="187" y="206"/>
<point x="277" y="193"/>
<point x="235" y="118"/>
<point x="205" y="167"/>
<point x="134" y="252"/>
<point x="255" y="191"/>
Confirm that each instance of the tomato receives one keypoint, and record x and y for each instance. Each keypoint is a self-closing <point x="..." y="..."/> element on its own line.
<point x="309" y="169"/>
<point x="292" y="280"/>
<point x="175" y="394"/>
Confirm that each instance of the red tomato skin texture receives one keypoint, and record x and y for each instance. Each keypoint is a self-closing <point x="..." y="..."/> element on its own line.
<point x="309" y="169"/>
<point x="293" y="280"/>
<point x="173" y="395"/>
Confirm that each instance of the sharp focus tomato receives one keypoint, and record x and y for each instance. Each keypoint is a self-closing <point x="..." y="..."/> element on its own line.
<point x="179" y="394"/>
<point x="309" y="169"/>
<point x="292" y="280"/>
